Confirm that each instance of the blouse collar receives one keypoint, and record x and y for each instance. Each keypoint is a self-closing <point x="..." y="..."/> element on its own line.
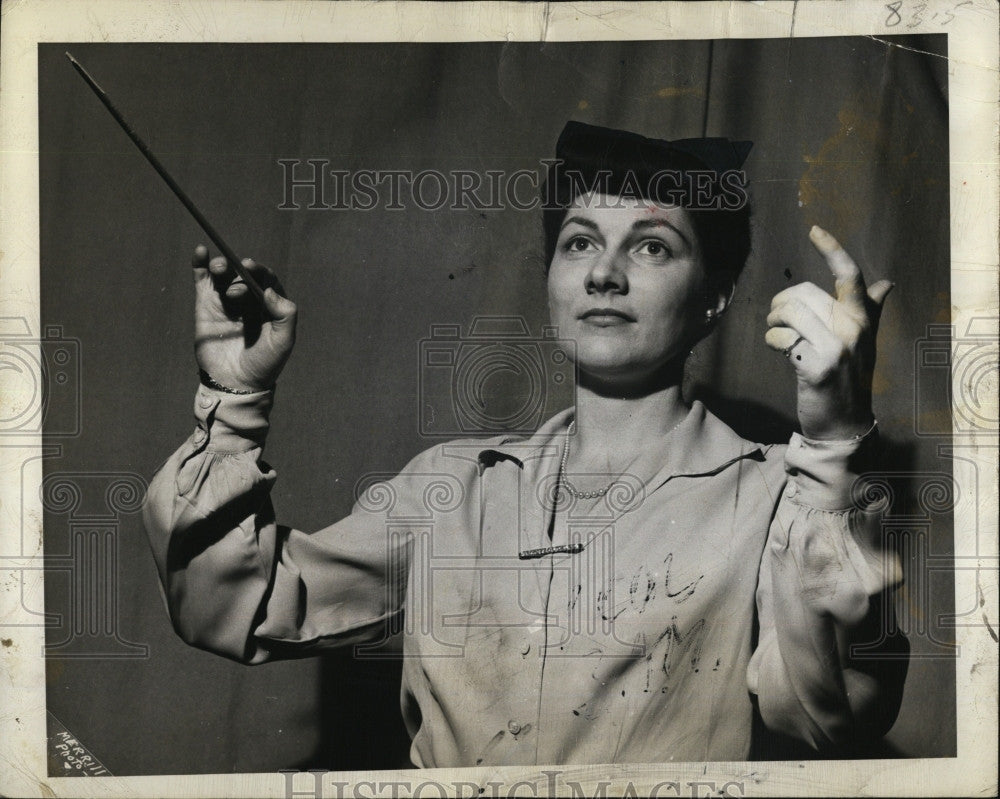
<point x="701" y="444"/>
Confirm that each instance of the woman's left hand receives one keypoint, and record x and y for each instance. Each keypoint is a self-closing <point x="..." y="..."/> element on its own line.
<point x="830" y="340"/>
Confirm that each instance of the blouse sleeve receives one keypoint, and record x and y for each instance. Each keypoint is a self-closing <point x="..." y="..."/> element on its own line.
<point x="234" y="581"/>
<point x="828" y="667"/>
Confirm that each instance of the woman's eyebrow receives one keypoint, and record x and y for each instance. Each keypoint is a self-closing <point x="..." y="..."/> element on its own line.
<point x="580" y="220"/>
<point x="645" y="224"/>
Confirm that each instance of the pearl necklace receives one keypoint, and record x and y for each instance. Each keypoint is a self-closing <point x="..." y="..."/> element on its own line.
<point x="563" y="482"/>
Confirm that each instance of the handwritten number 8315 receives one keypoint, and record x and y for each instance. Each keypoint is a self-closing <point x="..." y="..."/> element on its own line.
<point x="916" y="14"/>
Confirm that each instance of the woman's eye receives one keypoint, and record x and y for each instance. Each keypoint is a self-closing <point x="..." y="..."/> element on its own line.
<point x="578" y="244"/>
<point x="655" y="248"/>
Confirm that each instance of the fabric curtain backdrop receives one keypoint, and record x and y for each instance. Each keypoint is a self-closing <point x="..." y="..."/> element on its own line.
<point x="848" y="133"/>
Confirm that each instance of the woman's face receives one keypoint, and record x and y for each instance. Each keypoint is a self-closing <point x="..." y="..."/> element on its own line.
<point x="627" y="284"/>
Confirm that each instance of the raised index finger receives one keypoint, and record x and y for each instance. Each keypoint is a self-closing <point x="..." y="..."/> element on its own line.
<point x="850" y="284"/>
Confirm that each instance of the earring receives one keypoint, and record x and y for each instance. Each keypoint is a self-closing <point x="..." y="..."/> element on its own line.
<point x="709" y="316"/>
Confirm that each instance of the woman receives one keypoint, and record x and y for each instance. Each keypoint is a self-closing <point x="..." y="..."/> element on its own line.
<point x="632" y="583"/>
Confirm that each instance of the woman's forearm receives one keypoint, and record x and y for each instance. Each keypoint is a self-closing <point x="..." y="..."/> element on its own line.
<point x="211" y="526"/>
<point x="823" y="669"/>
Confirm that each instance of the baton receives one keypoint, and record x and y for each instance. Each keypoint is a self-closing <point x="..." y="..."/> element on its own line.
<point x="210" y="231"/>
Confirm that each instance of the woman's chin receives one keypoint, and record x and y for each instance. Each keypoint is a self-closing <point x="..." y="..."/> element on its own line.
<point x="609" y="369"/>
<point x="626" y="377"/>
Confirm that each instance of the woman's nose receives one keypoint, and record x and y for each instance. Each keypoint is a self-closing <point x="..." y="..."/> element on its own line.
<point x="608" y="274"/>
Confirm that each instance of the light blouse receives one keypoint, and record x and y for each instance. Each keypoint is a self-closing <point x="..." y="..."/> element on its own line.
<point x="716" y="575"/>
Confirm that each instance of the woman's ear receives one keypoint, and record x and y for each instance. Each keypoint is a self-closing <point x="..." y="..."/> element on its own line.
<point x="719" y="300"/>
<point x="724" y="297"/>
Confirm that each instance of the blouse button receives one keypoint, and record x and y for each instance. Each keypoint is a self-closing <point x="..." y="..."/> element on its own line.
<point x="514" y="727"/>
<point x="205" y="401"/>
<point x="199" y="436"/>
<point x="525" y="648"/>
<point x="790" y="491"/>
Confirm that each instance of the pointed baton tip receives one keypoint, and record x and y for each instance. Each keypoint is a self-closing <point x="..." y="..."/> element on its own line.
<point x="70" y="56"/>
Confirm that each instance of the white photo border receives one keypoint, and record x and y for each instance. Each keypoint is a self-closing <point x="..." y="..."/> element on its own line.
<point x="974" y="87"/>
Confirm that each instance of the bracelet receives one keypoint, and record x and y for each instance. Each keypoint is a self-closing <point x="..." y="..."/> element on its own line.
<point x="867" y="432"/>
<point x="210" y="382"/>
<point x="852" y="440"/>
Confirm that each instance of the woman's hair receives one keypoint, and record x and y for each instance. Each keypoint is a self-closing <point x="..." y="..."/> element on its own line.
<point x="701" y="175"/>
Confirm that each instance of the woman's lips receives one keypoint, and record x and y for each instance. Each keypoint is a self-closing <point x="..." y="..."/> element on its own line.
<point x="606" y="317"/>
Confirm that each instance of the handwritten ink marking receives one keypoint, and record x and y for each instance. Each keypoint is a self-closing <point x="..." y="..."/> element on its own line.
<point x="492" y="743"/>
<point x="951" y="14"/>
<point x="690" y="643"/>
<point x="687" y="590"/>
<point x="914" y="16"/>
<point x="606" y="612"/>
<point x="894" y="18"/>
<point x="916" y="20"/>
<point x="575" y="597"/>
<point x="635" y="589"/>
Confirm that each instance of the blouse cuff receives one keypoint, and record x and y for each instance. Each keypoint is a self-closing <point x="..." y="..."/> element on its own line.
<point x="823" y="472"/>
<point x="231" y="423"/>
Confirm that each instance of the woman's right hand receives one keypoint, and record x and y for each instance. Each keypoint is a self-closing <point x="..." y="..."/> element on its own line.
<point x="239" y="344"/>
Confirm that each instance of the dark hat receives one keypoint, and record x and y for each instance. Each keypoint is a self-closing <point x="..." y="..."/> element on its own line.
<point x="595" y="147"/>
<point x="691" y="172"/>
